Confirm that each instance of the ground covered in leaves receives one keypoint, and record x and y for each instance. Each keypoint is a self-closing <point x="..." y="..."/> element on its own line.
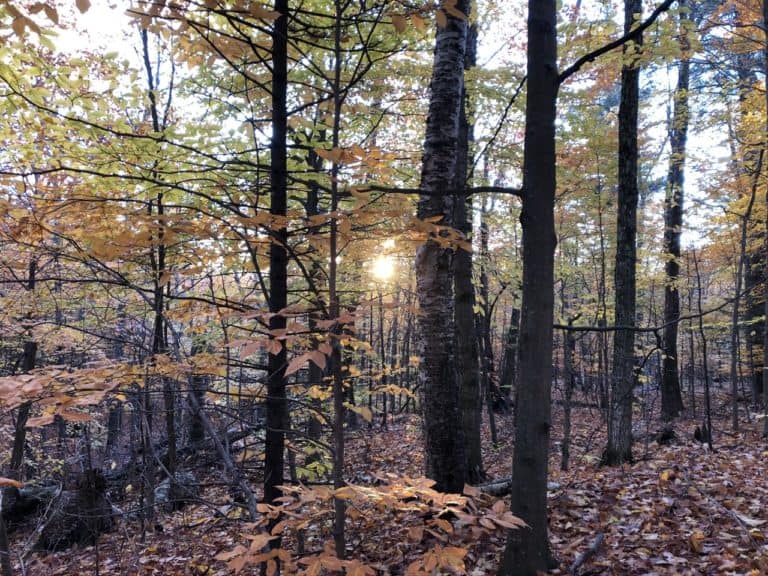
<point x="680" y="509"/>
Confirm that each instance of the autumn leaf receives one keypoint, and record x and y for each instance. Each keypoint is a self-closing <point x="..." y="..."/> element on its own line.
<point x="40" y="421"/>
<point x="83" y="5"/>
<point x="264" y="13"/>
<point x="362" y="410"/>
<point x="696" y="540"/>
<point x="10" y="483"/>
<point x="442" y="19"/>
<point x="75" y="416"/>
<point x="418" y="23"/>
<point x="344" y="493"/>
<point x="471" y="491"/>
<point x="399" y="22"/>
<point x="314" y="356"/>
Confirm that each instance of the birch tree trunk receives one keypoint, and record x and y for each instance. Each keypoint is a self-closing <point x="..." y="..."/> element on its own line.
<point x="464" y="298"/>
<point x="444" y="441"/>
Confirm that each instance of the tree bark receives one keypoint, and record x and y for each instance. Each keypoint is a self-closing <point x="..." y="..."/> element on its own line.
<point x="671" y="396"/>
<point x="619" y="447"/>
<point x="527" y="550"/>
<point x="444" y="441"/>
<point x="274" y="449"/>
<point x="508" y="378"/>
<point x="464" y="290"/>
<point x="765" y="248"/>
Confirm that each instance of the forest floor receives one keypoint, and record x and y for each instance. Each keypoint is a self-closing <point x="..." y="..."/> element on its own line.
<point x="681" y="508"/>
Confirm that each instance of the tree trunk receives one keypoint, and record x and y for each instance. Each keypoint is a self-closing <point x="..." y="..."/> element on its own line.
<point x="470" y="396"/>
<point x="274" y="449"/>
<point x="339" y="504"/>
<point x="707" y="427"/>
<point x="671" y="396"/>
<point x="508" y="378"/>
<point x="445" y="444"/>
<point x="742" y="256"/>
<point x="493" y="396"/>
<point x="765" y="250"/>
<point x="199" y="386"/>
<point x="619" y="447"/>
<point x="527" y="550"/>
<point x="568" y="381"/>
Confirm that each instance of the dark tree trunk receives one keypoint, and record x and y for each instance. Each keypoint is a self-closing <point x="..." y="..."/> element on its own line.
<point x="28" y="359"/>
<point x="493" y="396"/>
<point x="707" y="426"/>
<point x="508" y="378"/>
<point x="274" y="449"/>
<point x="445" y="445"/>
<point x="765" y="249"/>
<point x="754" y="279"/>
<point x="198" y="388"/>
<point x="527" y="551"/>
<point x="5" y="553"/>
<point x="20" y="430"/>
<point x="339" y="504"/>
<point x="671" y="396"/>
<point x="569" y="353"/>
<point x="619" y="447"/>
<point x="464" y="296"/>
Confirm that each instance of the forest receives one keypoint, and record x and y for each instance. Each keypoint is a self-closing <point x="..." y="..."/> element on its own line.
<point x="383" y="287"/>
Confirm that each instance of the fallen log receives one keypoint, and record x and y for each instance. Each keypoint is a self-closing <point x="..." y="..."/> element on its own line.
<point x="76" y="516"/>
<point x="502" y="486"/>
<point x="20" y="503"/>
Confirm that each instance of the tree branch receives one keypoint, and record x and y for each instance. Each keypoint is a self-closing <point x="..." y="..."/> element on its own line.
<point x="447" y="192"/>
<point x="631" y="35"/>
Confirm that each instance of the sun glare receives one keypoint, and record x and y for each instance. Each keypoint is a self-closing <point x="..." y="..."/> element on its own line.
<point x="383" y="267"/>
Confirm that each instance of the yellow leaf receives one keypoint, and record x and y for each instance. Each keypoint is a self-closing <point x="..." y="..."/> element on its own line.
<point x="83" y="5"/>
<point x="362" y="410"/>
<point x="344" y="493"/>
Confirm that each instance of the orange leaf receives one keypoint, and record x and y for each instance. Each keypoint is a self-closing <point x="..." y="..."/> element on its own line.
<point x="399" y="22"/>
<point x="471" y="491"/>
<point x="10" y="482"/>
<point x="40" y="421"/>
<point x="75" y="416"/>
